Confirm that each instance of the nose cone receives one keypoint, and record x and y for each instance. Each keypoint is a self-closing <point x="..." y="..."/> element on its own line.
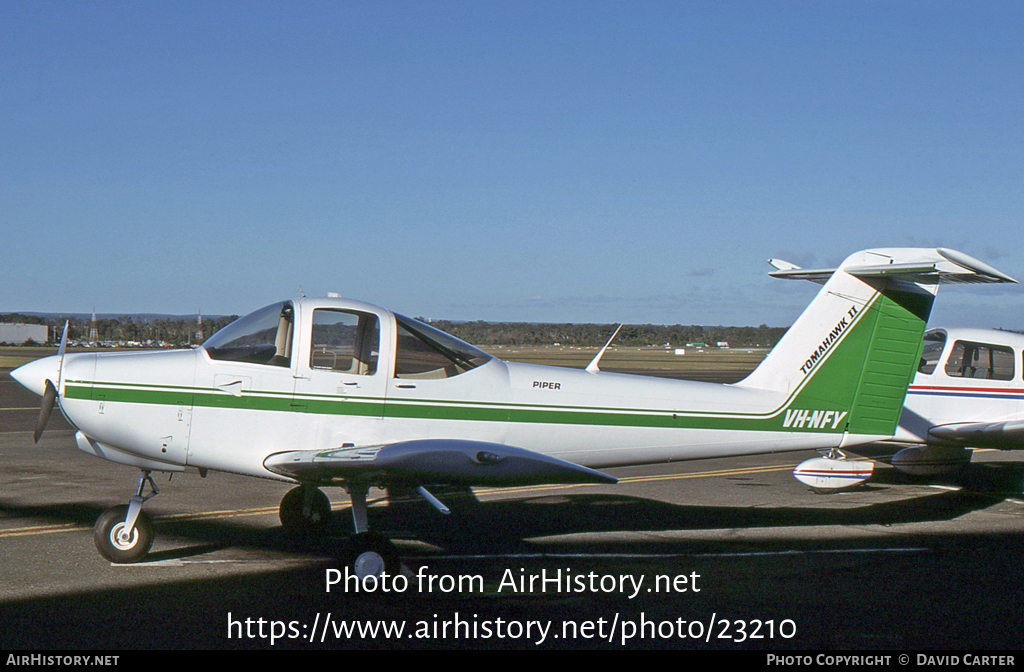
<point x="35" y="374"/>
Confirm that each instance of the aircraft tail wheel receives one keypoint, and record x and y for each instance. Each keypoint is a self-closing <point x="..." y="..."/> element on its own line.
<point x="372" y="554"/>
<point x="297" y="518"/>
<point x="108" y="534"/>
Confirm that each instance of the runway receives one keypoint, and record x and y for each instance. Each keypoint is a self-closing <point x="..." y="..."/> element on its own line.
<point x="723" y="554"/>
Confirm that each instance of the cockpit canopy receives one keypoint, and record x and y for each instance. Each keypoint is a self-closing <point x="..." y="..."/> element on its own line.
<point x="345" y="340"/>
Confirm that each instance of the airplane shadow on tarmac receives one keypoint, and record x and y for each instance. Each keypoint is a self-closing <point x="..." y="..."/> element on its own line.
<point x="508" y="525"/>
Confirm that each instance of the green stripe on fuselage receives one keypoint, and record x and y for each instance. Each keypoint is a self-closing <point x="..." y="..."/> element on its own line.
<point x="434" y="409"/>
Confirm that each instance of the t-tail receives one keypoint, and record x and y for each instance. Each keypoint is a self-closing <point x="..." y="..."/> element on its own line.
<point x="847" y="361"/>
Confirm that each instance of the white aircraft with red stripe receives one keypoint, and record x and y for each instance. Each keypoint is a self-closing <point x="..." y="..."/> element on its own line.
<point x="968" y="393"/>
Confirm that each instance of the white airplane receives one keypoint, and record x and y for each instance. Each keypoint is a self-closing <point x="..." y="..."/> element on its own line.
<point x="331" y="392"/>
<point x="968" y="392"/>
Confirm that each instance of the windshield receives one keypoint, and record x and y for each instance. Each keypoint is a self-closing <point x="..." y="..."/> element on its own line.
<point x="261" y="337"/>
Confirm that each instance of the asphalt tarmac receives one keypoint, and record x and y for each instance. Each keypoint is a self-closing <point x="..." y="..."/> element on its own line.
<point x="727" y="554"/>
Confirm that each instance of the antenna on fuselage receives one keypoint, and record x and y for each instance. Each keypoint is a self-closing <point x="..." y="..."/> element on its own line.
<point x="592" y="367"/>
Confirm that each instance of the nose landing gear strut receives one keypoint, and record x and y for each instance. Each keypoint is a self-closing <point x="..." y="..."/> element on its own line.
<point x="124" y="534"/>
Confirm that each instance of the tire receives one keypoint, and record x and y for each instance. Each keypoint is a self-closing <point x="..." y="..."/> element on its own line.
<point x="371" y="554"/>
<point x="292" y="517"/>
<point x="110" y="523"/>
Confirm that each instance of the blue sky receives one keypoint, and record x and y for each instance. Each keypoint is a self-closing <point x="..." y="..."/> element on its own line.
<point x="579" y="161"/>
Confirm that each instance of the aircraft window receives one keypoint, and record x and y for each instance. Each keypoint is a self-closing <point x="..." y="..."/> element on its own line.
<point x="425" y="352"/>
<point x="980" y="360"/>
<point x="933" y="345"/>
<point x="345" y="341"/>
<point x="262" y="337"/>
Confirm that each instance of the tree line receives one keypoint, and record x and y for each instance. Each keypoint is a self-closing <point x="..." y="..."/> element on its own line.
<point x="127" y="328"/>
<point x="637" y="335"/>
<point x="182" y="330"/>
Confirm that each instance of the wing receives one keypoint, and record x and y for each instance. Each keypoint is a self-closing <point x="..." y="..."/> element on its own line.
<point x="431" y="462"/>
<point x="1007" y="434"/>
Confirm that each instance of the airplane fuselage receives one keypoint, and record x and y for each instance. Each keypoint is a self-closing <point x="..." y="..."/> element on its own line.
<point x="172" y="409"/>
<point x="184" y="408"/>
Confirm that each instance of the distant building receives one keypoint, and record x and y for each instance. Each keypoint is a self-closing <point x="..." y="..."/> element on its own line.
<point x="94" y="327"/>
<point x="19" y="333"/>
<point x="199" y="327"/>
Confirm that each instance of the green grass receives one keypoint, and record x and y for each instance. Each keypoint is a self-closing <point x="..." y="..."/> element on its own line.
<point x="635" y="359"/>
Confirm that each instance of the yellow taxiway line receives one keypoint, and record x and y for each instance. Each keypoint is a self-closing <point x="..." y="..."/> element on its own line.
<point x="273" y="510"/>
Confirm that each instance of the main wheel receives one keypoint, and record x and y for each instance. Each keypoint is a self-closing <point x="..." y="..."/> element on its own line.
<point x="371" y="554"/>
<point x="112" y="547"/>
<point x="296" y="520"/>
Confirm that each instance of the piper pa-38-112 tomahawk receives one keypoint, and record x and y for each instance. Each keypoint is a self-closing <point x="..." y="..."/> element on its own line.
<point x="332" y="392"/>
<point x="968" y="392"/>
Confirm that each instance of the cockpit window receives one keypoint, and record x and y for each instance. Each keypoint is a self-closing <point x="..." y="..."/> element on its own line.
<point x="345" y="341"/>
<point x="934" y="342"/>
<point x="980" y="360"/>
<point x="262" y="337"/>
<point x="425" y="352"/>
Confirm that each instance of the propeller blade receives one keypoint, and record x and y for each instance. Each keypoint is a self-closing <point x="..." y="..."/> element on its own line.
<point x="63" y="340"/>
<point x="49" y="398"/>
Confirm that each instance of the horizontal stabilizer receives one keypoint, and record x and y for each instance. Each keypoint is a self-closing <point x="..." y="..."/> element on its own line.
<point x="790" y="271"/>
<point x="942" y="264"/>
<point x="432" y="461"/>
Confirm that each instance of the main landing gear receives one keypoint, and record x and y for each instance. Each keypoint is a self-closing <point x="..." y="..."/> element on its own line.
<point x="370" y="553"/>
<point x="306" y="510"/>
<point x="124" y="534"/>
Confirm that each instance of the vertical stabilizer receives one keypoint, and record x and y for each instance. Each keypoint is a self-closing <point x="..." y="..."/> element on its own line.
<point x="854" y="350"/>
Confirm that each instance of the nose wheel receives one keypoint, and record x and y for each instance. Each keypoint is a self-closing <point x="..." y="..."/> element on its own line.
<point x="124" y="534"/>
<point x="119" y="544"/>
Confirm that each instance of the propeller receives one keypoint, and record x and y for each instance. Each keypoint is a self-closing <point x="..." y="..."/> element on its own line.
<point x="50" y="393"/>
<point x="49" y="399"/>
